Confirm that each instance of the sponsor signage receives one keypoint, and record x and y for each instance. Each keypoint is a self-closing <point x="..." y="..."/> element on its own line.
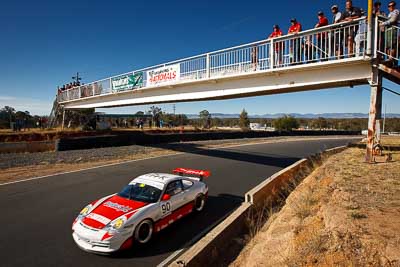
<point x="127" y="82"/>
<point x="163" y="75"/>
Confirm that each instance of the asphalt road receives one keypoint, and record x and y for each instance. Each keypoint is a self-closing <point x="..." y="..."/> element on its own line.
<point x="36" y="216"/>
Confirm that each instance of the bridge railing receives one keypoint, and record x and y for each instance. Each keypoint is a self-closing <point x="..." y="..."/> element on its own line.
<point x="313" y="46"/>
<point x="388" y="41"/>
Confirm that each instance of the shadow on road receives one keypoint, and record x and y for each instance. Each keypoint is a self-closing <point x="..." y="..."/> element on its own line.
<point x="238" y="155"/>
<point x="179" y="234"/>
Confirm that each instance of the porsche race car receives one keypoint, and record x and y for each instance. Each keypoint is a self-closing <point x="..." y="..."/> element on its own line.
<point x="148" y="204"/>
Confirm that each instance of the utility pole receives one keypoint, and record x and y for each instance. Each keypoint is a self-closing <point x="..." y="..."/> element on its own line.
<point x="384" y="120"/>
<point x="77" y="78"/>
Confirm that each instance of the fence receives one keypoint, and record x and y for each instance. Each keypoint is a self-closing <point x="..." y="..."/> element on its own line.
<point x="329" y="43"/>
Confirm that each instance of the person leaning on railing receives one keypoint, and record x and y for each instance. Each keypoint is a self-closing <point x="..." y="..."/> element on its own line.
<point x="295" y="42"/>
<point x="322" y="37"/>
<point x="391" y="27"/>
<point x="279" y="47"/>
<point x="337" y="33"/>
<point x="377" y="12"/>
<point x="351" y="14"/>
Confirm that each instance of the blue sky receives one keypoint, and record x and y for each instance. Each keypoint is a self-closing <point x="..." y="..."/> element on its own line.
<point x="43" y="43"/>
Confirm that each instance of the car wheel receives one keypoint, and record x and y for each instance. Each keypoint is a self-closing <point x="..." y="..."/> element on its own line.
<point x="144" y="231"/>
<point x="199" y="203"/>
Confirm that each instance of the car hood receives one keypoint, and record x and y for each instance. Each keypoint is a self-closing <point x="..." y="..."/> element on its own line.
<point x="111" y="209"/>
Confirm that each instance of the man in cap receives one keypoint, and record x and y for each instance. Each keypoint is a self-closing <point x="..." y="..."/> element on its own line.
<point x="322" y="37"/>
<point x="337" y="38"/>
<point x="278" y="45"/>
<point x="351" y="14"/>
<point x="391" y="34"/>
<point x="295" y="49"/>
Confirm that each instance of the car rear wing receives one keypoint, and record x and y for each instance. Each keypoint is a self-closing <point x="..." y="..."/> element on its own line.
<point x="199" y="173"/>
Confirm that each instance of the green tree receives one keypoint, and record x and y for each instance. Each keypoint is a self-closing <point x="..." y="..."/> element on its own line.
<point x="286" y="123"/>
<point x="11" y="113"/>
<point x="244" y="122"/>
<point x="156" y="113"/>
<point x="205" y="118"/>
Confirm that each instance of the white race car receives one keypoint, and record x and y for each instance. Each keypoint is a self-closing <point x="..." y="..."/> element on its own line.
<point x="148" y="204"/>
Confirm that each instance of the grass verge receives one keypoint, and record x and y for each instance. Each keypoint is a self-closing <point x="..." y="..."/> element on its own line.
<point x="345" y="213"/>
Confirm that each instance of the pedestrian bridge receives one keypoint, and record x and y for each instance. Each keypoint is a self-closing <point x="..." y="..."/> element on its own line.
<point x="313" y="59"/>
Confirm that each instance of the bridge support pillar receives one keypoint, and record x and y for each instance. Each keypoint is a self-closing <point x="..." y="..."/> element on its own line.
<point x="63" y="118"/>
<point x="375" y="114"/>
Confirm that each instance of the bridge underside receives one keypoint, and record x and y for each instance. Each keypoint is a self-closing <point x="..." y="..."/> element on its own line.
<point x="350" y="72"/>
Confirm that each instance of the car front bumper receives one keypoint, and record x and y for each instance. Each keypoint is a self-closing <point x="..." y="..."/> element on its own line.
<point x="90" y="240"/>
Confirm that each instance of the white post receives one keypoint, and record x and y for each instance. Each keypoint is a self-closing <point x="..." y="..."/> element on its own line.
<point x="271" y="54"/>
<point x="208" y="65"/>
<point x="377" y="37"/>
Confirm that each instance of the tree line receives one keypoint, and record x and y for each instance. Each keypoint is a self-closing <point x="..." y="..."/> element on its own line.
<point x="9" y="116"/>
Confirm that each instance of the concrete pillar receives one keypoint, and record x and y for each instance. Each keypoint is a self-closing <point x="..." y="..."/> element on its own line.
<point x="63" y="118"/>
<point x="375" y="113"/>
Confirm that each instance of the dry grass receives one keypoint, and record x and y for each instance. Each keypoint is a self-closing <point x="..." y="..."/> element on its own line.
<point x="346" y="213"/>
<point x="390" y="140"/>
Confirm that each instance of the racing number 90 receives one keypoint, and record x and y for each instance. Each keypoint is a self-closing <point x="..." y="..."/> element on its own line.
<point x="165" y="207"/>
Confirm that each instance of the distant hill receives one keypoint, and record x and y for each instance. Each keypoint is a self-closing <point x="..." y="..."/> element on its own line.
<point x="296" y="115"/>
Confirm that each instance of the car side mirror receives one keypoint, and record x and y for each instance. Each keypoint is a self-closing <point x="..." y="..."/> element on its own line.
<point x="166" y="197"/>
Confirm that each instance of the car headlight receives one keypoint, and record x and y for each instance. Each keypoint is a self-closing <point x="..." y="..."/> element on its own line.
<point x="85" y="211"/>
<point x="115" y="225"/>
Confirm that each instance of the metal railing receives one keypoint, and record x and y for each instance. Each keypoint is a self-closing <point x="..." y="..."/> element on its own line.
<point x="329" y="43"/>
<point x="388" y="41"/>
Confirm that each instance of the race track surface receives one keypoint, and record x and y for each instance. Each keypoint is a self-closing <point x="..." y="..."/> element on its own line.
<point x="36" y="216"/>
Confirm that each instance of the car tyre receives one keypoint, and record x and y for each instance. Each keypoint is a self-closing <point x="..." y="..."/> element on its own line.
<point x="144" y="231"/>
<point x="199" y="203"/>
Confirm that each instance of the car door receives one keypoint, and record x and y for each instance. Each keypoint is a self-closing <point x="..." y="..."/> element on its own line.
<point x="175" y="190"/>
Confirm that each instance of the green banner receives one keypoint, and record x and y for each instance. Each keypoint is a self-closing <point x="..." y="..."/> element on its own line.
<point x="127" y="82"/>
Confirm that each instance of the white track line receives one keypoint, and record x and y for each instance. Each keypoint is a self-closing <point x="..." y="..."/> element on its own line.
<point x="169" y="155"/>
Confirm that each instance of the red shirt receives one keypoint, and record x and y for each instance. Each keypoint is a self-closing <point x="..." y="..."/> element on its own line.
<point x="323" y="22"/>
<point x="279" y="45"/>
<point x="276" y="34"/>
<point x="295" y="28"/>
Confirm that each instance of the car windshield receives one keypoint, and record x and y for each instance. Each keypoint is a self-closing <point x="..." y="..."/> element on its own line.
<point x="140" y="192"/>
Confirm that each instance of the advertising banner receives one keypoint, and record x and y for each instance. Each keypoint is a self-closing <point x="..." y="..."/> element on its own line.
<point x="127" y="82"/>
<point x="164" y="75"/>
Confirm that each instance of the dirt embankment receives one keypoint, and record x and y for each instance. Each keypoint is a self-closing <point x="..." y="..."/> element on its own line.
<point x="346" y="213"/>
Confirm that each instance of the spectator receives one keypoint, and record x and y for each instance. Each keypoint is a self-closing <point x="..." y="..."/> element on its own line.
<point x="377" y="9"/>
<point x="321" y="37"/>
<point x="378" y="12"/>
<point x="391" y="35"/>
<point x="279" y="46"/>
<point x="338" y="34"/>
<point x="254" y="57"/>
<point x="351" y="14"/>
<point x="294" y="44"/>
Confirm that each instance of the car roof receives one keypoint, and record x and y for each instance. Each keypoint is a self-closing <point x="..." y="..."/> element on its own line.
<point x="157" y="180"/>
